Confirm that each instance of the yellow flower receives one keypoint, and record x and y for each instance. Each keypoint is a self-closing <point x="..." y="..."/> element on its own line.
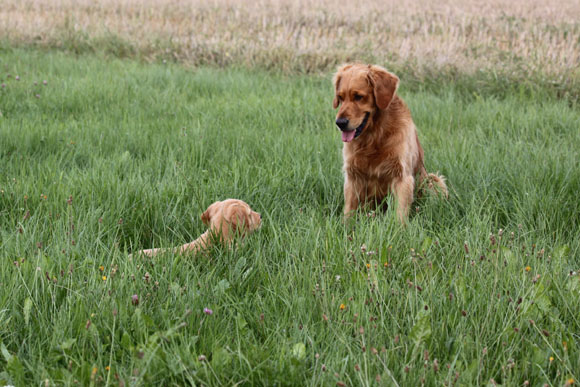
<point x="386" y="264"/>
<point x="104" y="278"/>
<point x="95" y="369"/>
<point x="528" y="268"/>
<point x="342" y="306"/>
<point x="551" y="359"/>
<point x="101" y="268"/>
<point x="107" y="368"/>
<point x="570" y="381"/>
<point x="368" y="265"/>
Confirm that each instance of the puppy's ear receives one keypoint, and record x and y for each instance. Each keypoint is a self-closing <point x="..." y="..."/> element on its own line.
<point x="384" y="84"/>
<point x="336" y="81"/>
<point x="206" y="216"/>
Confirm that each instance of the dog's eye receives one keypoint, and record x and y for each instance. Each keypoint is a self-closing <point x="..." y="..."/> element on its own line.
<point x="357" y="97"/>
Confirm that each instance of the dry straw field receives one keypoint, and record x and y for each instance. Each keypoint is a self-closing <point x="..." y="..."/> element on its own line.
<point x="516" y="38"/>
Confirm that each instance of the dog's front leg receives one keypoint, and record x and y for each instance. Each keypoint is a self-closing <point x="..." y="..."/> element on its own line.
<point x="403" y="192"/>
<point x="350" y="198"/>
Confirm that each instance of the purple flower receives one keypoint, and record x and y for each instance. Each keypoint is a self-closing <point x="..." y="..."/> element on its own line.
<point x="44" y="83"/>
<point x="135" y="299"/>
<point x="208" y="311"/>
<point x="17" y="78"/>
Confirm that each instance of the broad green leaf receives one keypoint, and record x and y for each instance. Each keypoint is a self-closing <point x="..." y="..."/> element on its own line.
<point x="222" y="286"/>
<point x="220" y="358"/>
<point x="126" y="341"/>
<point x="561" y="252"/>
<point x="27" y="308"/>
<point x="5" y="353"/>
<point x="67" y="344"/>
<point x="427" y="242"/>
<point x="421" y="331"/>
<point x="299" y="351"/>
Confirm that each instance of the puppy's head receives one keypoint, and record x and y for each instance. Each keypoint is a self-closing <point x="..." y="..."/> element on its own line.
<point x="231" y="216"/>
<point x="361" y="90"/>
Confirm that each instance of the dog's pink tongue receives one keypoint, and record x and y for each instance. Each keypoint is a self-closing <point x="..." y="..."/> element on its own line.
<point x="347" y="136"/>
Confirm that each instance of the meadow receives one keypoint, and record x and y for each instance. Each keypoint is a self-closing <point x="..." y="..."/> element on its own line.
<point x="100" y="157"/>
<point x="488" y="43"/>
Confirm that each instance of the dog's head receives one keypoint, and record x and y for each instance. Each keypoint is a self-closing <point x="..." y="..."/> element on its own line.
<point x="361" y="90"/>
<point x="231" y="216"/>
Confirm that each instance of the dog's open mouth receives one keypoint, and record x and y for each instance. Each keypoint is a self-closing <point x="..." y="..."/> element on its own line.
<point x="348" y="136"/>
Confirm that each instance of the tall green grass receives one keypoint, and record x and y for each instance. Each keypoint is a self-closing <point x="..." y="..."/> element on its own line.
<point x="113" y="156"/>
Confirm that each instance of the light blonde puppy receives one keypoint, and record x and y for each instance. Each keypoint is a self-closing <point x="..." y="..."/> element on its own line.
<point x="381" y="151"/>
<point x="225" y="219"/>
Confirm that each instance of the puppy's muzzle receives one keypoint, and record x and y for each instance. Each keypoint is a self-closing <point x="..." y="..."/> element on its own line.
<point x="342" y="123"/>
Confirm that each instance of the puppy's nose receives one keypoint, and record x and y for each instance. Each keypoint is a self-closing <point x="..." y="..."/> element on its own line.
<point x="342" y="123"/>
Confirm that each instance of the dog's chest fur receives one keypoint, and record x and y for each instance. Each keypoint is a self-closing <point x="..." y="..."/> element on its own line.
<point x="382" y="156"/>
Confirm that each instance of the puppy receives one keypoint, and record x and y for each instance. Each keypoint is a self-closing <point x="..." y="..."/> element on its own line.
<point x="225" y="219"/>
<point x="381" y="151"/>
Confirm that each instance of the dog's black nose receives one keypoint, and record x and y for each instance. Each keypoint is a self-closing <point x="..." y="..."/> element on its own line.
<point x="342" y="123"/>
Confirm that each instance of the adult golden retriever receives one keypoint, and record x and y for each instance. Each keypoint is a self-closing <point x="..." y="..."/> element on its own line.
<point x="381" y="151"/>
<point x="225" y="219"/>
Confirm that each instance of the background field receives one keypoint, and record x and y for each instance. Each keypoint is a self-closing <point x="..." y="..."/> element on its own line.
<point x="493" y="45"/>
<point x="111" y="156"/>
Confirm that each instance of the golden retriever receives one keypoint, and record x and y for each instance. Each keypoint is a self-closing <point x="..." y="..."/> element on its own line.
<point x="381" y="151"/>
<point x="225" y="219"/>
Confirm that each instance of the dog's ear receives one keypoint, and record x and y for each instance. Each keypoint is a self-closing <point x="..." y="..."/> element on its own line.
<point x="336" y="82"/>
<point x="207" y="214"/>
<point x="384" y="84"/>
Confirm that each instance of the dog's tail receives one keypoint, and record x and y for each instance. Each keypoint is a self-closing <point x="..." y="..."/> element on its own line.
<point x="433" y="181"/>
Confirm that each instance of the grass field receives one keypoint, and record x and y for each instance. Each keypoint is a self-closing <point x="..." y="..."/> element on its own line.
<point x="493" y="42"/>
<point x="110" y="156"/>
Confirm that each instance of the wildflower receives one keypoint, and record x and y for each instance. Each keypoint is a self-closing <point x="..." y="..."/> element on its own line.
<point x="551" y="359"/>
<point x="135" y="299"/>
<point x="3" y="85"/>
<point x="104" y="278"/>
<point x="44" y="83"/>
<point x="107" y="368"/>
<point x="101" y="268"/>
<point x="569" y="382"/>
<point x="342" y="306"/>
<point x="368" y="265"/>
<point x="202" y="358"/>
<point x="17" y="78"/>
<point x="528" y="268"/>
<point x="207" y="311"/>
<point x="386" y="264"/>
<point x="93" y="373"/>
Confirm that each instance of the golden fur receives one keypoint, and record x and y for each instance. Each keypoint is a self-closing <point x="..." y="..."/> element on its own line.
<point x="386" y="156"/>
<point x="225" y="219"/>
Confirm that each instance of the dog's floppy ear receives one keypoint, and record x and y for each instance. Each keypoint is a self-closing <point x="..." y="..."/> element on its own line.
<point x="206" y="216"/>
<point x="336" y="82"/>
<point x="384" y="84"/>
